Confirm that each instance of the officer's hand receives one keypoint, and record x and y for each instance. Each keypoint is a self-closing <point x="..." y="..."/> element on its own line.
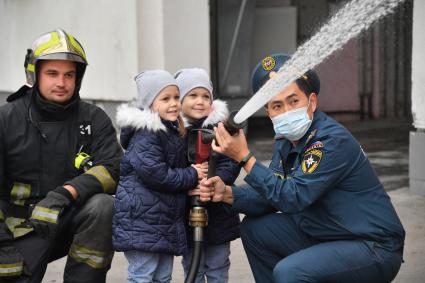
<point x="46" y="214"/>
<point x="212" y="189"/>
<point x="235" y="146"/>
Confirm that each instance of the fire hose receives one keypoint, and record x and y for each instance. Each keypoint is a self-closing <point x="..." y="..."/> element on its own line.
<point x="201" y="139"/>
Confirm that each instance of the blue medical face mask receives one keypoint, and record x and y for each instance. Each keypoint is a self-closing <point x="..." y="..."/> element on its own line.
<point x="293" y="124"/>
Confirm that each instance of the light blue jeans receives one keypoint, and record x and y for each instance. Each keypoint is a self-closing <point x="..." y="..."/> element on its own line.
<point x="214" y="265"/>
<point x="146" y="267"/>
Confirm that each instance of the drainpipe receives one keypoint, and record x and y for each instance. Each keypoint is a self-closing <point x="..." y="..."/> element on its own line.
<point x="417" y="136"/>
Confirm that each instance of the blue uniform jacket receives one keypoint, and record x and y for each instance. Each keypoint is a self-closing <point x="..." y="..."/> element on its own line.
<point x="223" y="223"/>
<point x="327" y="184"/>
<point x="150" y="203"/>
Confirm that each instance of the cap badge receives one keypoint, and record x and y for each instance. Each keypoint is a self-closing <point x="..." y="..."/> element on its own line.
<point x="268" y="63"/>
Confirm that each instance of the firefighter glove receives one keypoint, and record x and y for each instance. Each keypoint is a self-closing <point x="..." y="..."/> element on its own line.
<point x="46" y="214"/>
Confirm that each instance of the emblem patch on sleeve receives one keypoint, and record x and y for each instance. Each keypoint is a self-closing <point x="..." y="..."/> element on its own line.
<point x="311" y="160"/>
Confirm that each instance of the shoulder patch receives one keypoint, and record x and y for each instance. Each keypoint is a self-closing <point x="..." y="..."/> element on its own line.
<point x="317" y="144"/>
<point x="311" y="160"/>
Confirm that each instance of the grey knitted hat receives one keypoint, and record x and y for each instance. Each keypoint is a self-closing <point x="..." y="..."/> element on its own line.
<point x="191" y="78"/>
<point x="149" y="85"/>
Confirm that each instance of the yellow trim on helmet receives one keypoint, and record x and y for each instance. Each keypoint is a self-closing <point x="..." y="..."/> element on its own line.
<point x="51" y="43"/>
<point x="77" y="46"/>
<point x="31" y="68"/>
<point x="54" y="45"/>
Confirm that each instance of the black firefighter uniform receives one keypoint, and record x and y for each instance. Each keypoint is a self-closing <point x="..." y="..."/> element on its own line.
<point x="38" y="147"/>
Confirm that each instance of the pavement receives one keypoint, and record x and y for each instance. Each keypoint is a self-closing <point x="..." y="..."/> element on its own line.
<point x="386" y="144"/>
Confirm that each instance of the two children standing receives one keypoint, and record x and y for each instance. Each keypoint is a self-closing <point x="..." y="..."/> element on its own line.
<point x="150" y="222"/>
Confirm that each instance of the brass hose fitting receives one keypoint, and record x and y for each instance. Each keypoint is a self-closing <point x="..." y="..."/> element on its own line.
<point x="198" y="217"/>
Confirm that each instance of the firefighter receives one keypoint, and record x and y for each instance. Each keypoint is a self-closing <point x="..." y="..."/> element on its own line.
<point x="59" y="164"/>
<point x="318" y="213"/>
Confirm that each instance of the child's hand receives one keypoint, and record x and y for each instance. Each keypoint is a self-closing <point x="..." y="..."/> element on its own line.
<point x="201" y="173"/>
<point x="195" y="191"/>
<point x="204" y="168"/>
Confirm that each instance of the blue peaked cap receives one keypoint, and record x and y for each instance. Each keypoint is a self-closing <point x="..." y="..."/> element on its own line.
<point x="273" y="63"/>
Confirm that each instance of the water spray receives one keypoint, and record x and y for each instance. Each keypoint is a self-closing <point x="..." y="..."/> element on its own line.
<point x="348" y="22"/>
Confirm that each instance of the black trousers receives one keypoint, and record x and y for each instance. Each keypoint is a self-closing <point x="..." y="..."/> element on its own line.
<point x="85" y="235"/>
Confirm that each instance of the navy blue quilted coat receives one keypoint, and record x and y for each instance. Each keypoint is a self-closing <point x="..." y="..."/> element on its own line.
<point x="154" y="180"/>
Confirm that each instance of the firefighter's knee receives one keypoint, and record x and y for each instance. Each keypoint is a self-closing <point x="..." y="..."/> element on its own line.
<point x="96" y="214"/>
<point x="101" y="204"/>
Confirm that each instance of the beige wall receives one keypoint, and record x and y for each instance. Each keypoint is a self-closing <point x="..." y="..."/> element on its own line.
<point x="106" y="29"/>
<point x="120" y="38"/>
<point x="173" y="34"/>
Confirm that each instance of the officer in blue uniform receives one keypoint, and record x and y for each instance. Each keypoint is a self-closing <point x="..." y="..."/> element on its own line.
<point x="318" y="213"/>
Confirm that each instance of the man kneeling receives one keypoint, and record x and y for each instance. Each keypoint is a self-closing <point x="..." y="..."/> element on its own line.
<point x="59" y="164"/>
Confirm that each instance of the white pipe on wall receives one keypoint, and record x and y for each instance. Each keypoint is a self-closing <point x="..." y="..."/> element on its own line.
<point x="418" y="65"/>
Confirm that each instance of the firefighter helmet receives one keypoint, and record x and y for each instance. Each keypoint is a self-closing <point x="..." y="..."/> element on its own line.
<point x="55" y="45"/>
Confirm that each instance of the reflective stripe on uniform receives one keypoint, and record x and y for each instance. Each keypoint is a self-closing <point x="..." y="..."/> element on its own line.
<point x="92" y="258"/>
<point x="1" y="215"/>
<point x="103" y="176"/>
<point x="45" y="214"/>
<point x="19" y="193"/>
<point x="11" y="269"/>
<point x="13" y="223"/>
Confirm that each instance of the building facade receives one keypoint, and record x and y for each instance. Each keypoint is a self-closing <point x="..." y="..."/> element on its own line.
<point x="376" y="75"/>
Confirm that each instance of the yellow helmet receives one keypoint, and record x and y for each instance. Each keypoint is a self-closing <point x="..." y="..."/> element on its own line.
<point x="55" y="45"/>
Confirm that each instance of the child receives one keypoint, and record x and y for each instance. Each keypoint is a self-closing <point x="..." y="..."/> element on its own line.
<point x="200" y="111"/>
<point x="149" y="220"/>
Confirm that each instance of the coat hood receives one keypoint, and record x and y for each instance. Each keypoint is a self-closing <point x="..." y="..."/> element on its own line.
<point x="130" y="119"/>
<point x="219" y="113"/>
